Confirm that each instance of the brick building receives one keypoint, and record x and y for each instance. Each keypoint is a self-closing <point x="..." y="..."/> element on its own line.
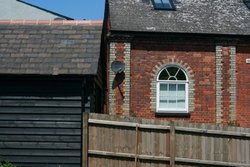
<point x="184" y="59"/>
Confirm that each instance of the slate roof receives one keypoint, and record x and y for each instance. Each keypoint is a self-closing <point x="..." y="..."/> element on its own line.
<point x="191" y="16"/>
<point x="50" y="47"/>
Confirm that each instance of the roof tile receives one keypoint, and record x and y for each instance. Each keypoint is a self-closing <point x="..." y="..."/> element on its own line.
<point x="53" y="49"/>
<point x="191" y="16"/>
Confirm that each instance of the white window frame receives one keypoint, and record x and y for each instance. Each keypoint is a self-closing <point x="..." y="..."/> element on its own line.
<point x="172" y="110"/>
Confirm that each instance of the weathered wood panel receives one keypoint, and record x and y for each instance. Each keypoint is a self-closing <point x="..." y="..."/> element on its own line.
<point x="41" y="131"/>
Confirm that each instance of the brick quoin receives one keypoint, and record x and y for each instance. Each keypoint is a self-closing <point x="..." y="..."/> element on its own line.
<point x="119" y="101"/>
<point x="225" y="85"/>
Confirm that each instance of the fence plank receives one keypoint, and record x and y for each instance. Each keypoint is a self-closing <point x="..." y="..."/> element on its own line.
<point x="128" y="124"/>
<point x="214" y="132"/>
<point x="137" y="145"/>
<point x="85" y="117"/>
<point x="128" y="155"/>
<point x="172" y="145"/>
<point x="207" y="162"/>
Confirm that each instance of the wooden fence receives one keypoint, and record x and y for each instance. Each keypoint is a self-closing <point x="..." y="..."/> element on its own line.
<point x="110" y="141"/>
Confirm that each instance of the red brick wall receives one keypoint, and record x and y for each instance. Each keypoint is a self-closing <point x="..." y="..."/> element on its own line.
<point x="119" y="91"/>
<point x="225" y="85"/>
<point x="243" y="86"/>
<point x="200" y="58"/>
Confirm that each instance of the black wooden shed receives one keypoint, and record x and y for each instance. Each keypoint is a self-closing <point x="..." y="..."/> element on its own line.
<point x="50" y="72"/>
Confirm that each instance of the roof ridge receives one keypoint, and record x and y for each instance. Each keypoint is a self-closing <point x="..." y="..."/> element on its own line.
<point x="52" y="22"/>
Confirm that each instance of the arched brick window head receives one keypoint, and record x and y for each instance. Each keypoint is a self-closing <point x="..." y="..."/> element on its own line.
<point x="172" y="90"/>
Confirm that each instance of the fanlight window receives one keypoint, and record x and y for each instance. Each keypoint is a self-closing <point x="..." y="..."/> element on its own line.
<point x="172" y="90"/>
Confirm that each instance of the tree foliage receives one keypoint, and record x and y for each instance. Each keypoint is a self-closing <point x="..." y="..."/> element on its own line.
<point x="4" y="164"/>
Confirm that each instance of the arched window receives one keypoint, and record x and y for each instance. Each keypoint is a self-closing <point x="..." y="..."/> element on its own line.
<point x="172" y="90"/>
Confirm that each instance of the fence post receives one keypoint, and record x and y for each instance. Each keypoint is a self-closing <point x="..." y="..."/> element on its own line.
<point x="137" y="145"/>
<point x="172" y="144"/>
<point x="85" y="137"/>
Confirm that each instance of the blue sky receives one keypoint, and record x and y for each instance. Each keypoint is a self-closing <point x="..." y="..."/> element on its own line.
<point x="77" y="9"/>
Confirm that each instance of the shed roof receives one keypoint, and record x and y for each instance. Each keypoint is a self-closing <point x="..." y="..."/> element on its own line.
<point x="191" y="16"/>
<point x="50" y="47"/>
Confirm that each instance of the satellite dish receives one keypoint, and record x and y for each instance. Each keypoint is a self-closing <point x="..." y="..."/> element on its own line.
<point x="117" y="66"/>
<point x="119" y="78"/>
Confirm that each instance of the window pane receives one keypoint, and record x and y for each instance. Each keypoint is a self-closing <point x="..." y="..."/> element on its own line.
<point x="172" y="70"/>
<point x="181" y="76"/>
<point x="163" y="89"/>
<point x="163" y="104"/>
<point x="163" y="96"/>
<point x="248" y="4"/>
<point x="158" y="4"/>
<point x="166" y="4"/>
<point x="164" y="75"/>
<point x="172" y="90"/>
<point x="181" y="90"/>
<point x="172" y="96"/>
<point x="181" y="96"/>
<point x="172" y="103"/>
<point x="181" y="103"/>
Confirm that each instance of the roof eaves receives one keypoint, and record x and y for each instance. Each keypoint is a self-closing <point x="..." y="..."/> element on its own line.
<point x="53" y="22"/>
<point x="115" y="33"/>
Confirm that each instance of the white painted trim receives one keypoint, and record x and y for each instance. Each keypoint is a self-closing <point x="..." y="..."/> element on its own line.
<point x="172" y="65"/>
<point x="171" y="110"/>
<point x="158" y="82"/>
